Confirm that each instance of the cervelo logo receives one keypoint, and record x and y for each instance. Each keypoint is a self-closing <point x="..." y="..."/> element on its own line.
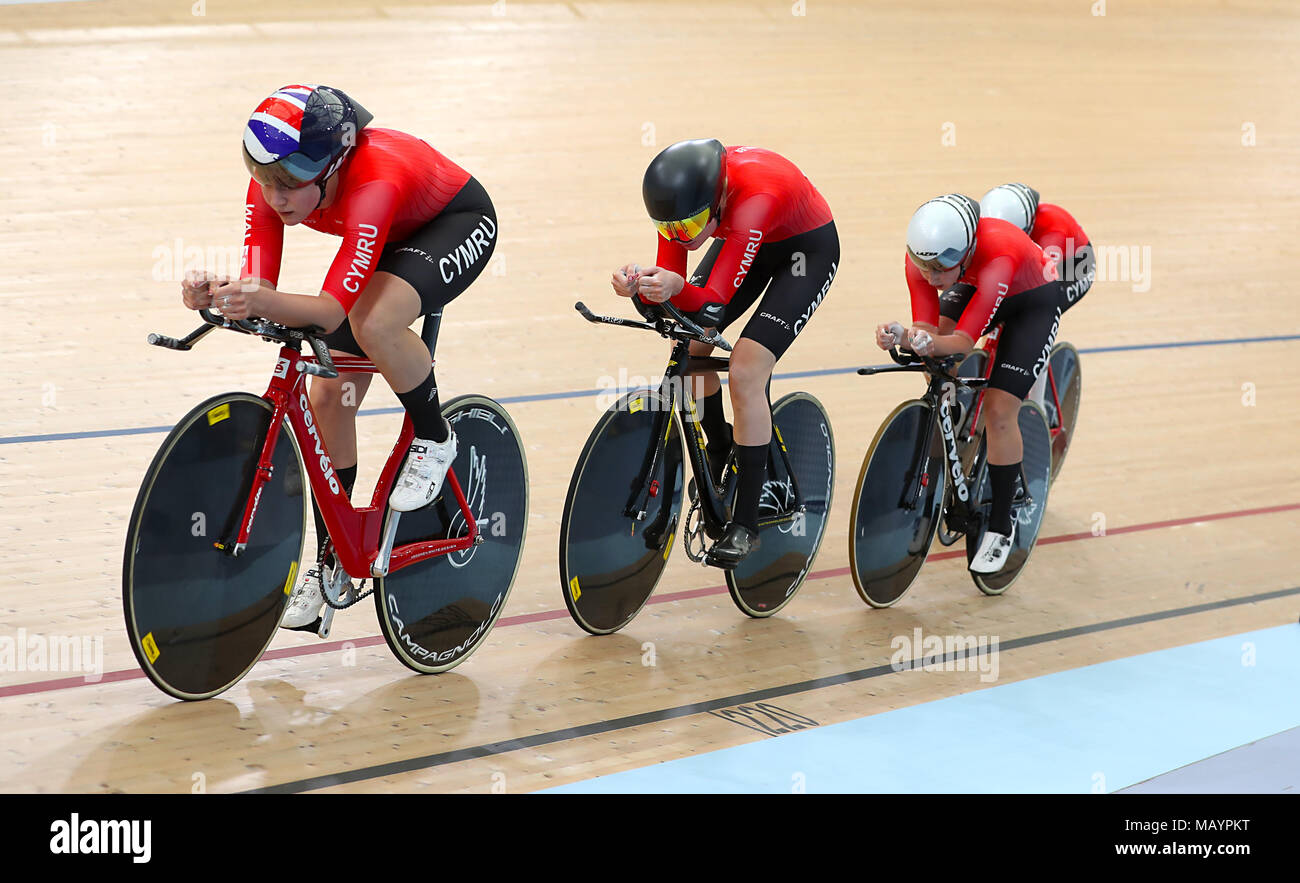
<point x="751" y="249"/>
<point x="812" y="308"/>
<point x="950" y="445"/>
<point x="362" y="259"/>
<point x="326" y="467"/>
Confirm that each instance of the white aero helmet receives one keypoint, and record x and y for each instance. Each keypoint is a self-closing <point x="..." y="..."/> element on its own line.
<point x="1015" y="203"/>
<point x="941" y="234"/>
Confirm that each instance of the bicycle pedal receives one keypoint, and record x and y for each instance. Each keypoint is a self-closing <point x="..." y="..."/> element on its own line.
<point x="710" y="561"/>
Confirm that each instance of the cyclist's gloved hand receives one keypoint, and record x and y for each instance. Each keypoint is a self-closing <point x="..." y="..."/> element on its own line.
<point x="890" y="335"/>
<point x="921" y="343"/>
<point x="624" y="280"/>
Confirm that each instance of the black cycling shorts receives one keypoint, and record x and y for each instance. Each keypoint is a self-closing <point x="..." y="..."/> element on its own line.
<point x="1029" y="323"/>
<point x="1077" y="276"/>
<point x="792" y="276"/>
<point x="439" y="260"/>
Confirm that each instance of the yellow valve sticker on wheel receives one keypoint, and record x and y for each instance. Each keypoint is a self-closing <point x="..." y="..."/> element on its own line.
<point x="151" y="651"/>
<point x="635" y="405"/>
<point x="293" y="571"/>
<point x="668" y="548"/>
<point x="219" y="413"/>
<point x="574" y="590"/>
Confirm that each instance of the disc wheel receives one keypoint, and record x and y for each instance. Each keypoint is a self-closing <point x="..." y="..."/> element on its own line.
<point x="1068" y="375"/>
<point x="891" y="529"/>
<point x="767" y="579"/>
<point x="610" y="563"/>
<point x="437" y="612"/>
<point x="199" y="617"/>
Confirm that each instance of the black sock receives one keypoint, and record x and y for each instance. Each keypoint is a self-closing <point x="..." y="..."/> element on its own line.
<point x="347" y="479"/>
<point x="714" y="420"/>
<point x="1003" y="479"/>
<point x="425" y="410"/>
<point x="752" y="462"/>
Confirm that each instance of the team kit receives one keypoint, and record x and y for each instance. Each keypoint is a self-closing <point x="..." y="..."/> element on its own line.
<point x="417" y="230"/>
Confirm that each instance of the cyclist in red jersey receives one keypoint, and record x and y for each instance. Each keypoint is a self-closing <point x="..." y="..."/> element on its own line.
<point x="775" y="239"/>
<point x="1060" y="237"/>
<point x="1055" y="231"/>
<point x="417" y="230"/>
<point x="990" y="274"/>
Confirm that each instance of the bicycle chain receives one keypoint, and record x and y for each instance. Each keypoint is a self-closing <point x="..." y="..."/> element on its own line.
<point x="328" y="551"/>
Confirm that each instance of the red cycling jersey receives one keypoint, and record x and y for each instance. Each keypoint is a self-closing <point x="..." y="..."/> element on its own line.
<point x="1006" y="262"/>
<point x="392" y="185"/>
<point x="768" y="199"/>
<point x="1055" y="228"/>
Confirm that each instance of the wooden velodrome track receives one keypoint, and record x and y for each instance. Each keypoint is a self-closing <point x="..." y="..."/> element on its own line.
<point x="1164" y="127"/>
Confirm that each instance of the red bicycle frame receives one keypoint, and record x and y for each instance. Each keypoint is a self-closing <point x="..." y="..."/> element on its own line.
<point x="355" y="532"/>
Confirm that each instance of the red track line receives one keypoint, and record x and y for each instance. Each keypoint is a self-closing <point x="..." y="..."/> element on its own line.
<point x="290" y="652"/>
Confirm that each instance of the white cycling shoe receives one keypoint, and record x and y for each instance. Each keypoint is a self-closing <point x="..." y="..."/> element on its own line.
<point x="306" y="603"/>
<point x="420" y="480"/>
<point x="994" y="550"/>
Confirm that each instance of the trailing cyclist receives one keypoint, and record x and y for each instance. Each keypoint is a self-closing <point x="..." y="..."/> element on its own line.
<point x="990" y="273"/>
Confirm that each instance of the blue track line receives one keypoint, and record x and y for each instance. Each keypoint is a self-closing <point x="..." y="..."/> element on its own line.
<point x="584" y="393"/>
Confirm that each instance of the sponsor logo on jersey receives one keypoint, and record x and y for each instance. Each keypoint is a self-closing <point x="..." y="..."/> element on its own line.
<point x="468" y="252"/>
<point x="812" y="307"/>
<point x="359" y="268"/>
<point x="751" y="249"/>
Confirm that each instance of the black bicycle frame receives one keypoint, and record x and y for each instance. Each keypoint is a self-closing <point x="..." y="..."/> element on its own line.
<point x="954" y="470"/>
<point x="680" y="365"/>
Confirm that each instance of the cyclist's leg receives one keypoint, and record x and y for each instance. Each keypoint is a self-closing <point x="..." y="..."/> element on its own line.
<point x="706" y="388"/>
<point x="1029" y="321"/>
<point x="334" y="402"/>
<point x="420" y="276"/>
<point x="803" y="268"/>
<point x="1078" y="276"/>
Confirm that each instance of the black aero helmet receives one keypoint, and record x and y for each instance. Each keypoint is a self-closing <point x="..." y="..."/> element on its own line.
<point x="683" y="187"/>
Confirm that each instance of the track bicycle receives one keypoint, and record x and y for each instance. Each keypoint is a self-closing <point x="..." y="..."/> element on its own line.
<point x="624" y="501"/>
<point x="918" y="478"/>
<point x="215" y="539"/>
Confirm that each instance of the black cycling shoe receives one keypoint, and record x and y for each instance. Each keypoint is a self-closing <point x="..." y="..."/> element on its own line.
<point x="735" y="545"/>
